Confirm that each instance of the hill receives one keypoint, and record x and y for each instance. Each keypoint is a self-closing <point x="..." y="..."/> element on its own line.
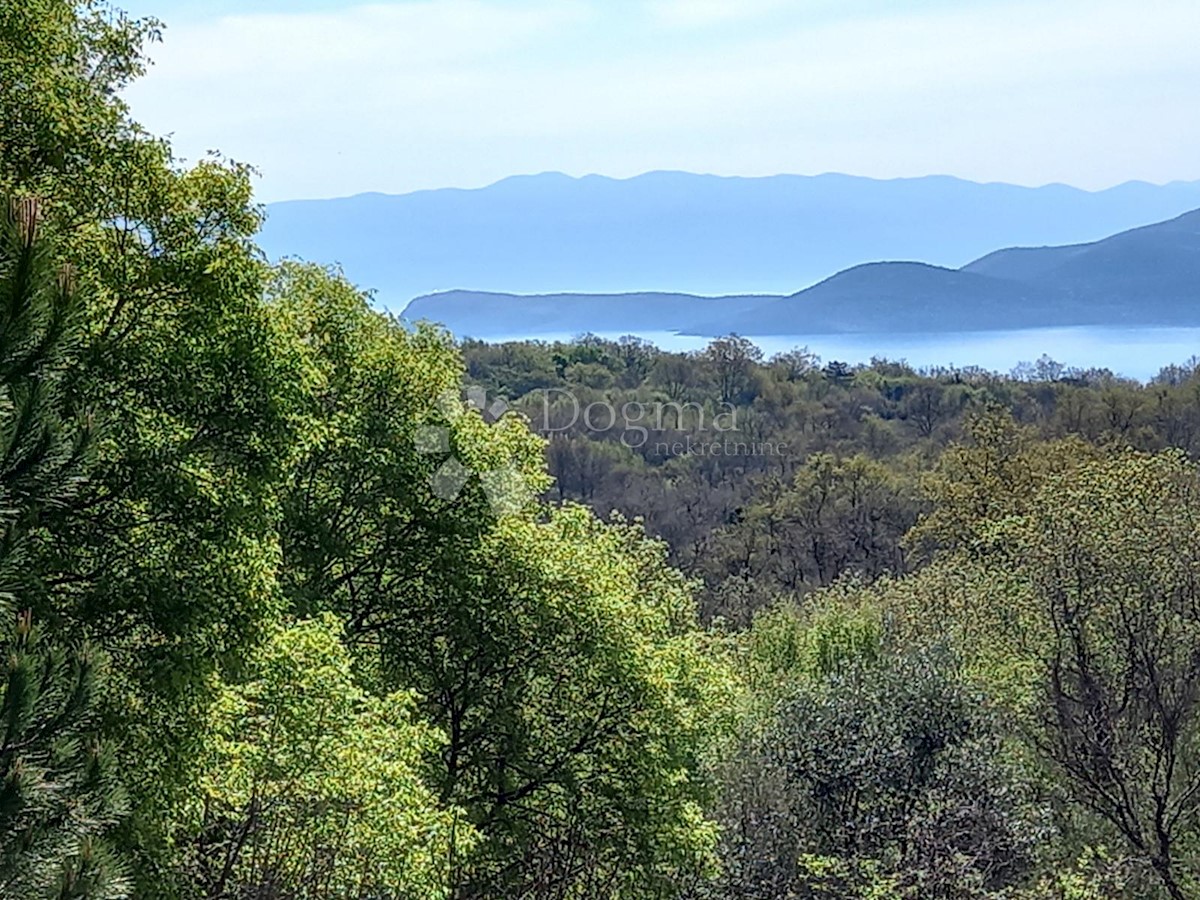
<point x="1148" y="276"/>
<point x="698" y="234"/>
<point x="897" y="296"/>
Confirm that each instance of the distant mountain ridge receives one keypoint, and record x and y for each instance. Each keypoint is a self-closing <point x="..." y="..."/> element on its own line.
<point x="1146" y="276"/>
<point x="697" y="234"/>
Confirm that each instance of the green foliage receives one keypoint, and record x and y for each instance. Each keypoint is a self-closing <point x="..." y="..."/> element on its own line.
<point x="1096" y="875"/>
<point x="557" y="654"/>
<point x="315" y="788"/>
<point x="58" y="791"/>
<point x="1110" y="552"/>
<point x="730" y="360"/>
<point x="587" y="740"/>
<point x="900" y="764"/>
<point x="831" y="876"/>
<point x="885" y="779"/>
<point x="1071" y="600"/>
<point x="358" y="640"/>
<point x="837" y="516"/>
<point x="173" y="567"/>
<point x="792" y="645"/>
<point x="42" y="444"/>
<point x="62" y="67"/>
<point x="58" y="796"/>
<point x="992" y="477"/>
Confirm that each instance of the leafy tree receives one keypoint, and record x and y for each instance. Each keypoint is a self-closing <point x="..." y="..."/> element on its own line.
<point x="316" y="789"/>
<point x="731" y="360"/>
<point x="66" y="132"/>
<point x="674" y="375"/>
<point x="837" y="516"/>
<point x="480" y="694"/>
<point x="929" y="405"/>
<point x="1111" y="554"/>
<point x="555" y="652"/>
<point x="796" y="364"/>
<point x="996" y="473"/>
<point x="881" y="778"/>
<point x="172" y="571"/>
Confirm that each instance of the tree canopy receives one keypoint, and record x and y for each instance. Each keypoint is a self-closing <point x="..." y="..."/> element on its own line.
<point x="304" y="601"/>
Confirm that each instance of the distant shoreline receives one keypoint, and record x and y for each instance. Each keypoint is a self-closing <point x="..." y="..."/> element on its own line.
<point x="1137" y="353"/>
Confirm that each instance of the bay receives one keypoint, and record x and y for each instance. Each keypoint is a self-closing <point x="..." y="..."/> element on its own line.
<point x="1137" y="353"/>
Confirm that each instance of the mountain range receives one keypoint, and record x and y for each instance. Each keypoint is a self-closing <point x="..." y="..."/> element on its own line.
<point x="1147" y="276"/>
<point x="678" y="232"/>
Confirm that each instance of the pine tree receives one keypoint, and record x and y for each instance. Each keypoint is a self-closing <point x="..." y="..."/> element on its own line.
<point x="42" y="451"/>
<point x="57" y="793"/>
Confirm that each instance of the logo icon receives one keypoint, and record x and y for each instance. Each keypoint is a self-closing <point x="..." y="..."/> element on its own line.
<point x="505" y="487"/>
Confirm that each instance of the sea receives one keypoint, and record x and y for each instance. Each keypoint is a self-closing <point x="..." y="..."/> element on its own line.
<point x="1136" y="353"/>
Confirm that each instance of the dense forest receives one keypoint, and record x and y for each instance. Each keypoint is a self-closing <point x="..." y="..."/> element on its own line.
<point x="770" y="478"/>
<point x="300" y="602"/>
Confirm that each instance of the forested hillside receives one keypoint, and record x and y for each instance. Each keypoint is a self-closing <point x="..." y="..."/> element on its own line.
<point x="294" y="608"/>
<point x="959" y="606"/>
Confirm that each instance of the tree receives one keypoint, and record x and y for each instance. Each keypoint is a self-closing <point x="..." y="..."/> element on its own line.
<point x="929" y="405"/>
<point x="731" y="360"/>
<point x="637" y="355"/>
<point x="558" y="654"/>
<point x="58" y="793"/>
<point x="838" y="372"/>
<point x="58" y="797"/>
<point x="836" y="516"/>
<point x="315" y="789"/>
<point x="42" y="450"/>
<point x="884" y="776"/>
<point x="1111" y="553"/>
<point x="172" y="570"/>
<point x="995" y="473"/>
<point x="796" y="364"/>
<point x="674" y="374"/>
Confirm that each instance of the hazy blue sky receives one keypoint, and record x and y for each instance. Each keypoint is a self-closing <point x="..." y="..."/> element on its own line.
<point x="330" y="99"/>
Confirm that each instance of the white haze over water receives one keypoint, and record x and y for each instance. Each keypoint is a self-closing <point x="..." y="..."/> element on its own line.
<point x="1130" y="352"/>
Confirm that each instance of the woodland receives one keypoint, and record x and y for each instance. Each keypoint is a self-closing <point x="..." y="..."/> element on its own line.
<point x="288" y="613"/>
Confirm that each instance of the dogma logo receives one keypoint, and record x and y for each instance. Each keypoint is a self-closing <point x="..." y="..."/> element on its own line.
<point x="505" y="487"/>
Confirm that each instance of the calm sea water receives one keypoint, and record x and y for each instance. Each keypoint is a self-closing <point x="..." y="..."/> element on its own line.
<point x="1130" y="352"/>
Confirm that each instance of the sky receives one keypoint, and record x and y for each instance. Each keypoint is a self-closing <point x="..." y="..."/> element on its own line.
<point x="331" y="99"/>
